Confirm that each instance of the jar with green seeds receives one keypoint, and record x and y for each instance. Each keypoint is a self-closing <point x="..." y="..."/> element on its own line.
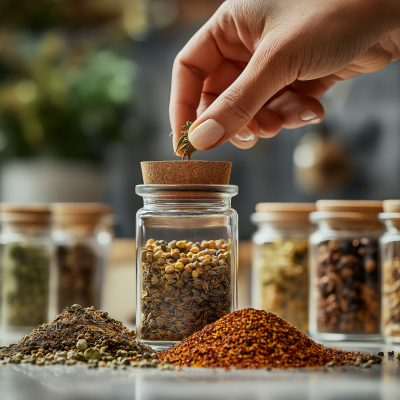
<point x="25" y="264"/>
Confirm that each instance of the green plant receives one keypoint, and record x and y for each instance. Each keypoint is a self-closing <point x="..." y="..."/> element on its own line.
<point x="184" y="144"/>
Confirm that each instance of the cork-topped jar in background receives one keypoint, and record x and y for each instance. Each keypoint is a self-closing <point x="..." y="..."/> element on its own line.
<point x="345" y="270"/>
<point x="82" y="234"/>
<point x="25" y="266"/>
<point x="187" y="241"/>
<point x="280" y="260"/>
<point x="390" y="258"/>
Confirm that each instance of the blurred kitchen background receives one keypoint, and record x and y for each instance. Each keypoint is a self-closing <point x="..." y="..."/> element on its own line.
<point x="84" y="92"/>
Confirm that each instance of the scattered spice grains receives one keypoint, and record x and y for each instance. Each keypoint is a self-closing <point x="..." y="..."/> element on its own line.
<point x="253" y="339"/>
<point x="82" y="335"/>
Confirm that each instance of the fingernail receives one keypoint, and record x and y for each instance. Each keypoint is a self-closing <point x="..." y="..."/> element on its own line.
<point x="309" y="116"/>
<point x="206" y="134"/>
<point x="245" y="135"/>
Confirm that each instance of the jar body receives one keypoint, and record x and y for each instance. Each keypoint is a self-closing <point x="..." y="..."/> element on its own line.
<point x="390" y="259"/>
<point x="26" y="259"/>
<point x="280" y="271"/>
<point x="344" y="283"/>
<point x="81" y="254"/>
<point x="186" y="266"/>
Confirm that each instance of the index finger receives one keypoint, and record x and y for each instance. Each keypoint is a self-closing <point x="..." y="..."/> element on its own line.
<point x="192" y="66"/>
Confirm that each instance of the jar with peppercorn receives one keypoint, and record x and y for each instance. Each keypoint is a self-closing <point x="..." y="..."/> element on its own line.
<point x="345" y="270"/>
<point x="25" y="265"/>
<point x="82" y="234"/>
<point x="390" y="258"/>
<point x="280" y="260"/>
<point x="187" y="241"/>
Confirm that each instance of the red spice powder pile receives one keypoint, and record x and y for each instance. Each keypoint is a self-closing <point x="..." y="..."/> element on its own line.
<point x="253" y="339"/>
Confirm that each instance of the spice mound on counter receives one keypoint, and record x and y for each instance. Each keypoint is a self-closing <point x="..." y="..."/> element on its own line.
<point x="81" y="335"/>
<point x="253" y="339"/>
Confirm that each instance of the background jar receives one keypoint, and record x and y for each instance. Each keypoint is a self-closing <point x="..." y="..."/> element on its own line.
<point x="345" y="271"/>
<point x="82" y="234"/>
<point x="187" y="240"/>
<point x="280" y="260"/>
<point x="25" y="268"/>
<point x="390" y="259"/>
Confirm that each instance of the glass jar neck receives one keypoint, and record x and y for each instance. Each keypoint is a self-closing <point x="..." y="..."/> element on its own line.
<point x="285" y="227"/>
<point x="392" y="226"/>
<point x="25" y="229"/>
<point x="186" y="196"/>
<point x="330" y="225"/>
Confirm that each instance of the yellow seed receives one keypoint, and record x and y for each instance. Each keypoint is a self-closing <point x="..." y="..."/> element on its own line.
<point x="172" y="244"/>
<point x="205" y="244"/>
<point x="169" y="249"/>
<point x="181" y="244"/>
<point x="179" y="266"/>
<point x="183" y="255"/>
<point x="167" y="255"/>
<point x="199" y="271"/>
<point x="158" y="248"/>
<point x="195" y="274"/>
<point x="188" y="269"/>
<point x="221" y="257"/>
<point x="149" y="256"/>
<point x="159" y="254"/>
<point x="150" y="241"/>
<point x="194" y="250"/>
<point x="201" y="258"/>
<point x="188" y="246"/>
<point x="190" y="254"/>
<point x="208" y="256"/>
<point x="170" y="269"/>
<point x="206" y="262"/>
<point x="211" y="244"/>
<point x="176" y="255"/>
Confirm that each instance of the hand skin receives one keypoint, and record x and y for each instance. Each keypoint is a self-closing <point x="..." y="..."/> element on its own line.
<point x="264" y="64"/>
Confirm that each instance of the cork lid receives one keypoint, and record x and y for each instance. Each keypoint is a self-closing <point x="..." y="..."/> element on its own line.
<point x="186" y="172"/>
<point x="13" y="213"/>
<point x="362" y="206"/>
<point x="283" y="212"/>
<point x="351" y="213"/>
<point x="77" y="213"/>
<point x="391" y="206"/>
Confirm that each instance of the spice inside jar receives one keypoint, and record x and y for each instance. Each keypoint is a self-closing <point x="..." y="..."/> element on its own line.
<point x="81" y="250"/>
<point x="186" y="285"/>
<point x="280" y="260"/>
<point x="345" y="273"/>
<point x="390" y="258"/>
<point x="25" y="265"/>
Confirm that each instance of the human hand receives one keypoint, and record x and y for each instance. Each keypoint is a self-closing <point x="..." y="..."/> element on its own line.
<point x="259" y="65"/>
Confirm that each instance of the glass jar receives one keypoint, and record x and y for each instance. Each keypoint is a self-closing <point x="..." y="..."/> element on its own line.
<point x="345" y="271"/>
<point x="187" y="240"/>
<point x="390" y="259"/>
<point x="280" y="260"/>
<point x="25" y="268"/>
<point x="82" y="237"/>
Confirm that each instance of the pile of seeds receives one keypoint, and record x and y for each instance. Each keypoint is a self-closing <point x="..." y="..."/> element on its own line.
<point x="185" y="286"/>
<point x="82" y="335"/>
<point x="254" y="339"/>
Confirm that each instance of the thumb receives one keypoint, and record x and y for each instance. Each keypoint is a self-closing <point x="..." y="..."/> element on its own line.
<point x="231" y="114"/>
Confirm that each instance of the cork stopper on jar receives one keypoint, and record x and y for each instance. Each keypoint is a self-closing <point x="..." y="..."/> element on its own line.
<point x="391" y="206"/>
<point x="283" y="212"/>
<point x="79" y="213"/>
<point x="24" y="214"/>
<point x="341" y="213"/>
<point x="186" y="172"/>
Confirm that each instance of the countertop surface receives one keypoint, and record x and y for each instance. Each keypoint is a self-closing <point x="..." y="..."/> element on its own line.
<point x="23" y="381"/>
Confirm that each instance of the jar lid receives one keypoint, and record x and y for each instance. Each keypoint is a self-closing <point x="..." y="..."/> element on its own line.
<point x="391" y="206"/>
<point x="358" y="213"/>
<point x="283" y="212"/>
<point x="77" y="213"/>
<point x="14" y="213"/>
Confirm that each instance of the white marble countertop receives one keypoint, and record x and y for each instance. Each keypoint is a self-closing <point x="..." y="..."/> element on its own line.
<point x="23" y="381"/>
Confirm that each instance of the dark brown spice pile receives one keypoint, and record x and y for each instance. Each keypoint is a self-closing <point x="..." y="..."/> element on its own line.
<point x="253" y="339"/>
<point x="81" y="335"/>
